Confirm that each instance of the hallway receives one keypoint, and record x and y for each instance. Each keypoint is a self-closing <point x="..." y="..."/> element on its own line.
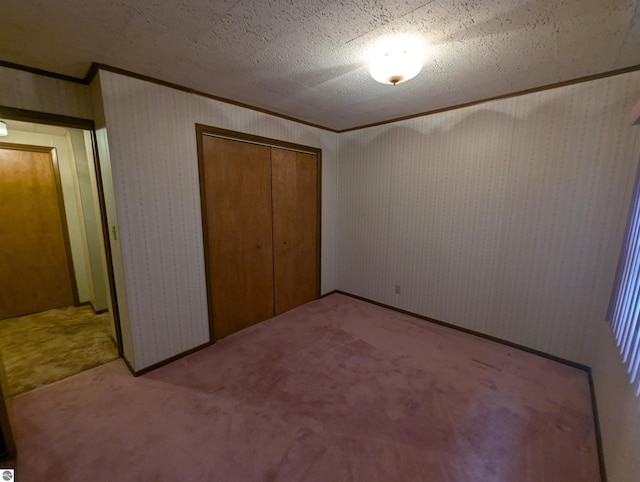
<point x="42" y="348"/>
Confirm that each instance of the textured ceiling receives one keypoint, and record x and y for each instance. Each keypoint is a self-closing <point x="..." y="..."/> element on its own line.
<point x="307" y="58"/>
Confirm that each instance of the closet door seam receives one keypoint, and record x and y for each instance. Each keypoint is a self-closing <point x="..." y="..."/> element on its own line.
<point x="273" y="240"/>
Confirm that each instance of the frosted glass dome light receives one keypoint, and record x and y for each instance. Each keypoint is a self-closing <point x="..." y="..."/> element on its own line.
<point x="395" y="64"/>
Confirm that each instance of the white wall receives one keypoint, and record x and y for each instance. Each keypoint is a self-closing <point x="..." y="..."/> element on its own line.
<point x="505" y="217"/>
<point x="91" y="219"/>
<point x="153" y="157"/>
<point x="72" y="203"/>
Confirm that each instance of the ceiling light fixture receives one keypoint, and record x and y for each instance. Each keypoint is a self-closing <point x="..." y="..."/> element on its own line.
<point x="395" y="61"/>
<point x="3" y="129"/>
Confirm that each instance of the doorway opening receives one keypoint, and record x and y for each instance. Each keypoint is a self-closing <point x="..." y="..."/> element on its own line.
<point x="57" y="310"/>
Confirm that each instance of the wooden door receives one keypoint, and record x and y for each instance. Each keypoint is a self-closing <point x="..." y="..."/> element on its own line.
<point x="237" y="193"/>
<point x="295" y="228"/>
<point x="36" y="273"/>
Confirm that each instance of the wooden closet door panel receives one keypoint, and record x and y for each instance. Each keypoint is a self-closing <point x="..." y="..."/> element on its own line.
<point x="35" y="272"/>
<point x="295" y="227"/>
<point x="238" y="204"/>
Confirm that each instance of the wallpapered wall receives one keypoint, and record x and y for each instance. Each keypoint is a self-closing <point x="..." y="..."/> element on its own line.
<point x="104" y="159"/>
<point x="505" y="217"/>
<point x="152" y="144"/>
<point x="24" y="90"/>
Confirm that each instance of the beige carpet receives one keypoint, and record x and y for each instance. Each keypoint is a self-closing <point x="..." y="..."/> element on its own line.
<point x="42" y="348"/>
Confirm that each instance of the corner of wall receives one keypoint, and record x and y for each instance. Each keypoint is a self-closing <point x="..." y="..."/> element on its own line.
<point x="618" y="409"/>
<point x="104" y="161"/>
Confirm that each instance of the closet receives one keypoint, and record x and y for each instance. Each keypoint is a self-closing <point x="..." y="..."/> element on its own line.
<point x="260" y="213"/>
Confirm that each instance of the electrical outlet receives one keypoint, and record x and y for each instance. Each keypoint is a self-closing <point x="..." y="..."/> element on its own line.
<point x="397" y="289"/>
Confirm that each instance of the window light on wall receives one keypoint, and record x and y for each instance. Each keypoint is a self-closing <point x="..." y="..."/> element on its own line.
<point x="624" y="307"/>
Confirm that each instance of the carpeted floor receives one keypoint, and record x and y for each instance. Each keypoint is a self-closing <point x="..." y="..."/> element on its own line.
<point x="41" y="348"/>
<point x="335" y="390"/>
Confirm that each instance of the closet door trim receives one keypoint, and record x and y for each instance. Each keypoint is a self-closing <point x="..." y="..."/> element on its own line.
<point x="251" y="139"/>
<point x="204" y="130"/>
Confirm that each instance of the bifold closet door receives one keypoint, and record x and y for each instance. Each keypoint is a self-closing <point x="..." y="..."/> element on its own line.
<point x="295" y="228"/>
<point x="237" y="179"/>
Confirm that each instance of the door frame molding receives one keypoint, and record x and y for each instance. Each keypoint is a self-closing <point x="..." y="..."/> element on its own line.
<point x="104" y="224"/>
<point x="61" y="208"/>
<point x="36" y="117"/>
<point x="205" y="130"/>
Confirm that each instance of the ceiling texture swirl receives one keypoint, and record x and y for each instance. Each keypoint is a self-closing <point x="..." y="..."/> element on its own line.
<point x="307" y="59"/>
